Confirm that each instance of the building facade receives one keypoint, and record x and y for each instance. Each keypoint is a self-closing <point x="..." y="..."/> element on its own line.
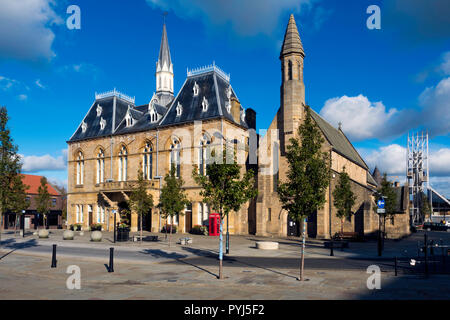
<point x="117" y="137"/>
<point x="32" y="219"/>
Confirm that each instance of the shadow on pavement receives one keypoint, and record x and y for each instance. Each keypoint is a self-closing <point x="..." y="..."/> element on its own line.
<point x="12" y="244"/>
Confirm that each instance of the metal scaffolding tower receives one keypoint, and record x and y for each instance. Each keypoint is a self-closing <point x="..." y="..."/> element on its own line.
<point x="417" y="174"/>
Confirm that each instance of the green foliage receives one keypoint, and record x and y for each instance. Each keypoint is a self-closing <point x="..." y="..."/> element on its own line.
<point x="308" y="174"/>
<point x="198" y="229"/>
<point x="173" y="198"/>
<point x="140" y="201"/>
<point x="12" y="189"/>
<point x="344" y="199"/>
<point x="223" y="189"/>
<point x="387" y="190"/>
<point x="43" y="199"/>
<point x="426" y="209"/>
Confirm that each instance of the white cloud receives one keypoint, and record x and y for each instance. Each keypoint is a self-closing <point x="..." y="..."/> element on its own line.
<point x="445" y="65"/>
<point x="25" y="32"/>
<point x="435" y="113"/>
<point x="390" y="159"/>
<point x="39" y="84"/>
<point x="7" y="83"/>
<point x="22" y="97"/>
<point x="361" y="119"/>
<point x="247" y="18"/>
<point x="45" y="162"/>
<point x="440" y="162"/>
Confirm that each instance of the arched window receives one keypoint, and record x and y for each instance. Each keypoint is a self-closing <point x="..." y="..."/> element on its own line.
<point x="123" y="164"/>
<point x="290" y="70"/>
<point x="203" y="154"/>
<point x="147" y="163"/>
<point x="80" y="168"/>
<point x="100" y="166"/>
<point x="175" y="156"/>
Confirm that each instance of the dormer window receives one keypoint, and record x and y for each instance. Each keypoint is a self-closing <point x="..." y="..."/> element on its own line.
<point x="242" y="114"/>
<point x="83" y="126"/>
<point x="179" y="109"/>
<point x="153" y="115"/>
<point x="228" y="92"/>
<point x="99" y="110"/>
<point x="102" y="123"/>
<point x="129" y="120"/>
<point x="196" y="89"/>
<point x="204" y="104"/>
<point x="228" y="106"/>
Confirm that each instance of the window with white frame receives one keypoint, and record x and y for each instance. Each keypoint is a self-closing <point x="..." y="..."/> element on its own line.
<point x="83" y="126"/>
<point x="80" y="168"/>
<point x="203" y="155"/>
<point x="99" y="110"/>
<point x="147" y="163"/>
<point x="77" y="217"/>
<point x="102" y="123"/>
<point x="98" y="214"/>
<point x="175" y="156"/>
<point x="129" y="120"/>
<point x="203" y="214"/>
<point x="153" y="115"/>
<point x="102" y="210"/>
<point x="179" y="109"/>
<point x="204" y="104"/>
<point x="196" y="89"/>
<point x="123" y="159"/>
<point x="100" y="166"/>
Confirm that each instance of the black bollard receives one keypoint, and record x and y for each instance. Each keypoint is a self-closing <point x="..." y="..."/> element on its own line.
<point x="54" y="256"/>
<point x="331" y="248"/>
<point x="111" y="260"/>
<point x="395" y="265"/>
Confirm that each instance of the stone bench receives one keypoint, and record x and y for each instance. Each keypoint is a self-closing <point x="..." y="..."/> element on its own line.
<point x="266" y="245"/>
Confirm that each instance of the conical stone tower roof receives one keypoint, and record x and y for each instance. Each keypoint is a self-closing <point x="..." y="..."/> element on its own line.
<point x="292" y="42"/>
<point x="164" y="51"/>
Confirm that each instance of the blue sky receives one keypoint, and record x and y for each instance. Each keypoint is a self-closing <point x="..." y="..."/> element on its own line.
<point x="381" y="84"/>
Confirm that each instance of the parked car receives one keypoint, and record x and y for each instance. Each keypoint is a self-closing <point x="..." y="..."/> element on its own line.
<point x="435" y="226"/>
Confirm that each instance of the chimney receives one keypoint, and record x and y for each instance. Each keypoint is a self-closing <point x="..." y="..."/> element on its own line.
<point x="250" y="118"/>
<point x="236" y="110"/>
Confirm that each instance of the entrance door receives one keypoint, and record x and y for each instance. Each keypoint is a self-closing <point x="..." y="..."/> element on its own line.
<point x="293" y="228"/>
<point x="90" y="215"/>
<point x="146" y="222"/>
<point x="27" y="222"/>
<point x="188" y="219"/>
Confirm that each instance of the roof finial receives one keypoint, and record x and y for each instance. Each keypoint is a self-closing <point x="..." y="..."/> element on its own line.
<point x="340" y="125"/>
<point x="165" y="13"/>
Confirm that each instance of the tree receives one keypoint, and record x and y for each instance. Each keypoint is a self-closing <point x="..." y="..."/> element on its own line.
<point x="11" y="190"/>
<point x="344" y="199"/>
<point x="63" y="192"/>
<point x="141" y="201"/>
<point x="173" y="199"/>
<point x="387" y="190"/>
<point x="307" y="177"/>
<point x="426" y="208"/>
<point x="224" y="189"/>
<point x="43" y="200"/>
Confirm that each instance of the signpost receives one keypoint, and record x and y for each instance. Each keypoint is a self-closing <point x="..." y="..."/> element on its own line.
<point x="114" y="213"/>
<point x="380" y="210"/>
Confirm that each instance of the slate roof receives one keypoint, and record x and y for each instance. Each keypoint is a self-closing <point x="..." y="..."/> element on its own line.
<point x="338" y="140"/>
<point x="211" y="86"/>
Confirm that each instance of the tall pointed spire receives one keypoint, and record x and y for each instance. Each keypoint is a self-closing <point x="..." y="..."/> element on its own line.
<point x="292" y="42"/>
<point x="164" y="51"/>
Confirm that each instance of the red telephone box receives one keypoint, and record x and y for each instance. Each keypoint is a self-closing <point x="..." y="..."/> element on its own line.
<point x="214" y="224"/>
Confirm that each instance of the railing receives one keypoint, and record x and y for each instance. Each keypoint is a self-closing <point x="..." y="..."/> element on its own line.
<point x="209" y="68"/>
<point x="113" y="93"/>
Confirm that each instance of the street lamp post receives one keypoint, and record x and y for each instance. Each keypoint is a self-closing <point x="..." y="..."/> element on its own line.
<point x="114" y="213"/>
<point x="23" y="223"/>
<point x="380" y="210"/>
<point x="228" y="239"/>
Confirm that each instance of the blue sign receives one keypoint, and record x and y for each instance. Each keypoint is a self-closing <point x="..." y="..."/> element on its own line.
<point x="380" y="204"/>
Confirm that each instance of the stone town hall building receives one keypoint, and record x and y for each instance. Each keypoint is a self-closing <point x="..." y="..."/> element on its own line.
<point x="116" y="137"/>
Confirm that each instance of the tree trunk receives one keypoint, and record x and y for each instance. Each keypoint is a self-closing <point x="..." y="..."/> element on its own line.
<point x="1" y="224"/>
<point x="303" y="249"/>
<point x="170" y="234"/>
<point x="141" y="228"/>
<point x="221" y="250"/>
<point x="342" y="227"/>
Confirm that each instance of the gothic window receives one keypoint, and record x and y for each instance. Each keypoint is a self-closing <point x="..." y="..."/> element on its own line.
<point x="175" y="156"/>
<point x="228" y="106"/>
<point x="129" y="120"/>
<point x="100" y="166"/>
<point x="80" y="168"/>
<point x="290" y="70"/>
<point x="275" y="167"/>
<point x="153" y="115"/>
<point x="179" y="109"/>
<point x="196" y="89"/>
<point x="147" y="162"/>
<point x="204" y="104"/>
<point x="123" y="159"/>
<point x="203" y="157"/>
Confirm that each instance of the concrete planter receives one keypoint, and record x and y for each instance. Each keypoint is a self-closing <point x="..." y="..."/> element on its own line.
<point x="68" y="235"/>
<point x="267" y="245"/>
<point x="96" y="236"/>
<point x="43" y="233"/>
